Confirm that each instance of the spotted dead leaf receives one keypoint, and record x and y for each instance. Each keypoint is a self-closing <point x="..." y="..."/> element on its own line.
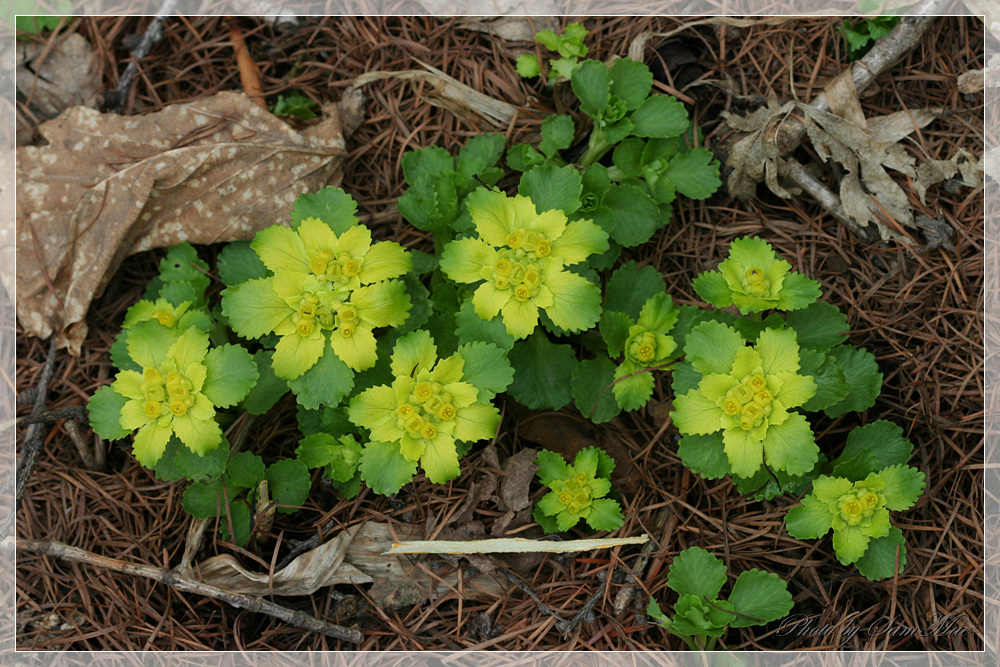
<point x="107" y="186"/>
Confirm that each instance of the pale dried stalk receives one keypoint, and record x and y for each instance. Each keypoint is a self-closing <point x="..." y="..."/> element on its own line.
<point x="508" y="546"/>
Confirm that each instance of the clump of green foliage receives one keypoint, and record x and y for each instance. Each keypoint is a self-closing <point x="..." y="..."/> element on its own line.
<point x="578" y="491"/>
<point x="700" y="616"/>
<point x="395" y="359"/>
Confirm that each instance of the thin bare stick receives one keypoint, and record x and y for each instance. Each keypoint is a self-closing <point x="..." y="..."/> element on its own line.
<point x="542" y="607"/>
<point x="115" y="99"/>
<point x="33" y="442"/>
<point x="586" y="613"/>
<point x="81" y="445"/>
<point x="186" y="584"/>
<point x="883" y="55"/>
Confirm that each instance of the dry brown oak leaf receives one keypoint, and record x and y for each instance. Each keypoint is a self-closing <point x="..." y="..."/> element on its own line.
<point x="106" y="186"/>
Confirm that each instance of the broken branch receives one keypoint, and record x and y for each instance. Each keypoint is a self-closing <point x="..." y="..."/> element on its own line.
<point x="185" y="584"/>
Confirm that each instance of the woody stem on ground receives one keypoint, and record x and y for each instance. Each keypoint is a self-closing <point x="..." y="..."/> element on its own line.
<point x="186" y="584"/>
<point x="33" y="441"/>
<point x="883" y="55"/>
<point x="114" y="100"/>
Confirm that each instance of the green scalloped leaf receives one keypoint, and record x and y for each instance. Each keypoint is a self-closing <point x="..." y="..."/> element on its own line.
<point x="486" y="368"/>
<point x="862" y="375"/>
<point x="630" y="286"/>
<point x="879" y="559"/>
<point x="245" y="469"/>
<point x="704" y="454"/>
<point x="591" y="382"/>
<point x="197" y="467"/>
<point x="831" y="387"/>
<point x="636" y="216"/>
<point x="238" y="262"/>
<point x="605" y="514"/>
<point x="288" y="482"/>
<point x="614" y="328"/>
<point x="331" y="205"/>
<point x="695" y="173"/>
<point x="821" y="326"/>
<point x="697" y="572"/>
<point x="324" y="420"/>
<point x="761" y="597"/>
<point x="269" y="387"/>
<point x="543" y="373"/>
<point x="550" y="187"/>
<point x="660" y="116"/>
<point x="230" y="375"/>
<point x="384" y="468"/>
<point x="105" y="410"/>
<point x="883" y="439"/>
<point x="470" y="328"/>
<point x="326" y="383"/>
<point x="242" y="520"/>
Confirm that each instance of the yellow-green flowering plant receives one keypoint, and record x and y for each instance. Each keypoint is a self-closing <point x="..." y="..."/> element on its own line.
<point x="754" y="278"/>
<point x="180" y="384"/>
<point x="746" y="396"/>
<point x="578" y="491"/>
<point x="644" y="344"/>
<point x="329" y="288"/>
<point x="173" y="317"/>
<point x="840" y="378"/>
<point x="857" y="512"/>
<point x="520" y="260"/>
<point x="432" y="406"/>
<point x="861" y="486"/>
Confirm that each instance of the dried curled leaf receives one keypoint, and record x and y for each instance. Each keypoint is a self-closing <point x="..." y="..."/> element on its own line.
<point x="107" y="186"/>
<point x="865" y="148"/>
<point x="963" y="166"/>
<point x="355" y="556"/>
<point x="322" y="566"/>
<point x="54" y="77"/>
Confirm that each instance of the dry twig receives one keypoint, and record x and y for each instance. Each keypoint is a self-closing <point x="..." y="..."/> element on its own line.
<point x="185" y="584"/>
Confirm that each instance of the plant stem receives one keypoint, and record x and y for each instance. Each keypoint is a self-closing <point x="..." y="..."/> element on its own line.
<point x="597" y="146"/>
<point x="615" y="174"/>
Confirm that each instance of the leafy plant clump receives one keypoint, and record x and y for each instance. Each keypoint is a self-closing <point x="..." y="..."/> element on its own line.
<point x="748" y="383"/>
<point x="395" y="359"/>
<point x="700" y="617"/>
<point x="578" y="491"/>
<point x="861" y="35"/>
<point x="569" y="46"/>
<point x="294" y="104"/>
<point x="867" y="480"/>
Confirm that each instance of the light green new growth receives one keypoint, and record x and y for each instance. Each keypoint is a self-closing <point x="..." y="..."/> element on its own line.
<point x="700" y="617"/>
<point x="857" y="512"/>
<point x="175" y="393"/>
<point x="748" y="393"/>
<point x="327" y="294"/>
<point x="645" y="344"/>
<point x="754" y="278"/>
<point x="522" y="256"/>
<point x="578" y="491"/>
<point x="569" y="46"/>
<point x="430" y="406"/>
